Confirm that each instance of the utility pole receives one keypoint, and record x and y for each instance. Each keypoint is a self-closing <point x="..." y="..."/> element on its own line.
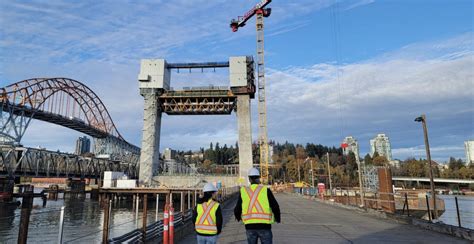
<point x="312" y="173"/>
<point x="299" y="176"/>
<point x="360" y="181"/>
<point x="422" y="119"/>
<point x="329" y="172"/>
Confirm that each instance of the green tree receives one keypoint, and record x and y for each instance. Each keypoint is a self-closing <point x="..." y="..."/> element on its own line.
<point x="380" y="161"/>
<point x="368" y="159"/>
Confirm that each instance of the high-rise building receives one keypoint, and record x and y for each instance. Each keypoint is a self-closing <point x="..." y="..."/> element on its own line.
<point x="350" y="144"/>
<point x="169" y="153"/>
<point x="83" y="145"/>
<point x="469" y="147"/>
<point x="381" y="145"/>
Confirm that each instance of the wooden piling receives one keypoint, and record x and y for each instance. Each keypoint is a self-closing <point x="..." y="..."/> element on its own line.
<point x="145" y="211"/>
<point x="26" y="205"/>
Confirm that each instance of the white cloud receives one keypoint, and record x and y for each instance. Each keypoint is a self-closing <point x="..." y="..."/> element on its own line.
<point x="420" y="152"/>
<point x="382" y="94"/>
<point x="305" y="104"/>
<point x="99" y="43"/>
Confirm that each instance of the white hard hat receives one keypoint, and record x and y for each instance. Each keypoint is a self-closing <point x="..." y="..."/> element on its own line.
<point x="208" y="187"/>
<point x="254" y="172"/>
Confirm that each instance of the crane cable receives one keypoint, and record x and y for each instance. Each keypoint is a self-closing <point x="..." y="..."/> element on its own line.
<point x="336" y="42"/>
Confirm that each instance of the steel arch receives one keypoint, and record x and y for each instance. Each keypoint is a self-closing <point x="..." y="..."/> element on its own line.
<point x="63" y="97"/>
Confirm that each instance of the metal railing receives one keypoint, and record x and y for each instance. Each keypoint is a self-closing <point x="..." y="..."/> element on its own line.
<point x="401" y="203"/>
<point x="154" y="230"/>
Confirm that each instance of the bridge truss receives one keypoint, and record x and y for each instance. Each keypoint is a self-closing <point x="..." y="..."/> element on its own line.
<point x="64" y="102"/>
<point x="22" y="161"/>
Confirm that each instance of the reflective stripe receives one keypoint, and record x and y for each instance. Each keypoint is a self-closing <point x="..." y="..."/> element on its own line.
<point x="257" y="216"/>
<point x="205" y="215"/>
<point x="253" y="198"/>
<point x="206" y="227"/>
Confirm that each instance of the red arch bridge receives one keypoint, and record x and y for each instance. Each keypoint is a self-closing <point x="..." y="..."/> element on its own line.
<point x="68" y="103"/>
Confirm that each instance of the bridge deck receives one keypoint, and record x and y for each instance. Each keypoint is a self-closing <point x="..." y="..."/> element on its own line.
<point x="305" y="221"/>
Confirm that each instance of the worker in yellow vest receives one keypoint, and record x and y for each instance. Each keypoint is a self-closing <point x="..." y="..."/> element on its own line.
<point x="258" y="209"/>
<point x="207" y="216"/>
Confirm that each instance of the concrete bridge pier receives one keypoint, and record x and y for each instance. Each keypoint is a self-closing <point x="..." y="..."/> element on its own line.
<point x="149" y="158"/>
<point x="245" y="137"/>
<point x="154" y="78"/>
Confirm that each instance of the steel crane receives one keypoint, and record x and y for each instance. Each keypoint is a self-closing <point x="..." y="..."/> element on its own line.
<point x="260" y="11"/>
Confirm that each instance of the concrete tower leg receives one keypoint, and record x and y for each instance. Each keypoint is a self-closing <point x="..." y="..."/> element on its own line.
<point x="245" y="137"/>
<point x="149" y="158"/>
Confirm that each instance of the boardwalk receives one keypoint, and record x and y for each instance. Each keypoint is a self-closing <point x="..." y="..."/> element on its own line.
<point x="306" y="221"/>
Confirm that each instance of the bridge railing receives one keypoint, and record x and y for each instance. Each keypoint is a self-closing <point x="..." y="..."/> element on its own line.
<point x="411" y="203"/>
<point x="154" y="231"/>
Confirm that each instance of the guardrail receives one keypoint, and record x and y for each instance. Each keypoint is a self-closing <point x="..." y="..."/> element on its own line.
<point x="154" y="230"/>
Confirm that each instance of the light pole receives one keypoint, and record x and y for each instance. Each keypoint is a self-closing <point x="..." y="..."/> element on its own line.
<point x="360" y="181"/>
<point x="422" y="119"/>
<point x="299" y="176"/>
<point x="329" y="172"/>
<point x="312" y="170"/>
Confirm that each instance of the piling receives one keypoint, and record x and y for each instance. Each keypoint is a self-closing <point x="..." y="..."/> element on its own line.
<point x="26" y="205"/>
<point x="105" y="228"/>
<point x="145" y="210"/>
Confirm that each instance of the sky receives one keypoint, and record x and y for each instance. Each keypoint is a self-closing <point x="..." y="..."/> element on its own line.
<point x="333" y="68"/>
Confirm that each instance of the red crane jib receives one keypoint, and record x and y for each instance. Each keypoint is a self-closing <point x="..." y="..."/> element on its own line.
<point x="241" y="20"/>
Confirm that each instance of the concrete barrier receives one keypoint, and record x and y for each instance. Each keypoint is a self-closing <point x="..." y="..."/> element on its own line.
<point x="460" y="232"/>
<point x="195" y="181"/>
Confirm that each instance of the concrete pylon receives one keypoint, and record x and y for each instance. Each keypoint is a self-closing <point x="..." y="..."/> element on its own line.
<point x="150" y="154"/>
<point x="245" y="137"/>
<point x="154" y="79"/>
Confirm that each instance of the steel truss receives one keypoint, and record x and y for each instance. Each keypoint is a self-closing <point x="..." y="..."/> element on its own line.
<point x="20" y="161"/>
<point x="197" y="105"/>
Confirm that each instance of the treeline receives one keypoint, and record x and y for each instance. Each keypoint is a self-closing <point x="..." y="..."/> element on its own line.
<point x="297" y="162"/>
<point x="456" y="169"/>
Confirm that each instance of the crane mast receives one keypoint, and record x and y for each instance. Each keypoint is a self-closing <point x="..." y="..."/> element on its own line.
<point x="260" y="12"/>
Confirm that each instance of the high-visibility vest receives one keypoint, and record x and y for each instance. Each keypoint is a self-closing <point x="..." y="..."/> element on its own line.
<point x="206" y="218"/>
<point x="255" y="206"/>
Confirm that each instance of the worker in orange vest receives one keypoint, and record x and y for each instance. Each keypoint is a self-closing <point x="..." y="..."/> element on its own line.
<point x="207" y="216"/>
<point x="258" y="209"/>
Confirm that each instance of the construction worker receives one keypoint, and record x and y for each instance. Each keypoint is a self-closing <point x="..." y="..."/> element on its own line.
<point x="258" y="209"/>
<point x="207" y="216"/>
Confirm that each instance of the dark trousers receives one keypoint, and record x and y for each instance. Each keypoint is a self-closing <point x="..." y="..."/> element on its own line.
<point x="265" y="236"/>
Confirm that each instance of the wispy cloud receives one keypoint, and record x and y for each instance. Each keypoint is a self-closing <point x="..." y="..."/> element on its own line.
<point x="382" y="94"/>
<point x="420" y="152"/>
<point x="123" y="32"/>
<point x="357" y="4"/>
<point x="100" y="44"/>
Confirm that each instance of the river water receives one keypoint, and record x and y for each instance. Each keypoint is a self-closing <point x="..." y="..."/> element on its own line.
<point x="83" y="219"/>
<point x="466" y="210"/>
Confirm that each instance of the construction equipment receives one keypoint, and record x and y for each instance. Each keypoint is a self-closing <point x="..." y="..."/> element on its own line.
<point x="260" y="11"/>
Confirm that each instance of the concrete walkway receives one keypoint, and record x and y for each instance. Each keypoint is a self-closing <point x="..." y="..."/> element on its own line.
<point x="306" y="221"/>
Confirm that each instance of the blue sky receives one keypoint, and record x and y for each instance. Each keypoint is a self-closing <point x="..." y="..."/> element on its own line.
<point x="334" y="68"/>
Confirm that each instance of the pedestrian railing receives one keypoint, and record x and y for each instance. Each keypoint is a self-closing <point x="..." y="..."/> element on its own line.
<point x="154" y="231"/>
<point x="407" y="203"/>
